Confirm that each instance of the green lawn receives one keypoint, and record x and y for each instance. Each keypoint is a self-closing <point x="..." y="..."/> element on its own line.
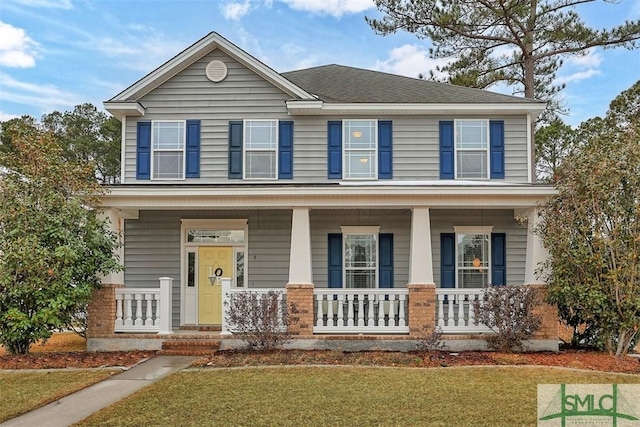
<point x="335" y="396"/>
<point x="24" y="391"/>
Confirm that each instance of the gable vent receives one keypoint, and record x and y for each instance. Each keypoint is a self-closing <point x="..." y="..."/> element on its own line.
<point x="216" y="71"/>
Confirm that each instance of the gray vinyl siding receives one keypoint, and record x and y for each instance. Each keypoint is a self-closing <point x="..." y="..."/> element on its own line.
<point x="245" y="95"/>
<point x="152" y="248"/>
<point x="443" y="221"/>
<point x="324" y="222"/>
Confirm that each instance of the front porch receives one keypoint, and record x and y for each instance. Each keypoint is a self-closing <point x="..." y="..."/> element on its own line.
<point x="347" y="319"/>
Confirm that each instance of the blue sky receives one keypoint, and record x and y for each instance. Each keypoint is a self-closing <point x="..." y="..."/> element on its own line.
<point x="55" y="54"/>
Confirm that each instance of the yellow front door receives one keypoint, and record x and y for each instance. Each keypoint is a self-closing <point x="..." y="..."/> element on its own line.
<point x="216" y="261"/>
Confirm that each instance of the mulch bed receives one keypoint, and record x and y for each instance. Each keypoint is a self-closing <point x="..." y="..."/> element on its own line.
<point x="74" y="359"/>
<point x="571" y="359"/>
<point x="577" y="359"/>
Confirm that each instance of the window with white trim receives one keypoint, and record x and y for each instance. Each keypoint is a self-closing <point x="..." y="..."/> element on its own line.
<point x="360" y="257"/>
<point x="168" y="146"/>
<point x="260" y="149"/>
<point x="472" y="149"/>
<point x="360" y="152"/>
<point x="473" y="255"/>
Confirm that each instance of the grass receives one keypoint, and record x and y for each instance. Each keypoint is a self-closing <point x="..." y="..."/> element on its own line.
<point x="312" y="396"/>
<point x="25" y="391"/>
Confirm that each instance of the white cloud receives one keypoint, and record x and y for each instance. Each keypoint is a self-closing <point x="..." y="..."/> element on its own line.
<point x="581" y="67"/>
<point x="50" y="4"/>
<point x="578" y="75"/>
<point x="335" y="8"/>
<point x="16" y="48"/>
<point x="43" y="97"/>
<point x="410" y="60"/>
<point x="6" y="116"/>
<point x="235" y="11"/>
<point x="591" y="59"/>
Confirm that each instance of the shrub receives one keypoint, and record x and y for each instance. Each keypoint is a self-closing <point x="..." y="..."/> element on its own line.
<point x="431" y="341"/>
<point x="260" y="319"/>
<point x="508" y="311"/>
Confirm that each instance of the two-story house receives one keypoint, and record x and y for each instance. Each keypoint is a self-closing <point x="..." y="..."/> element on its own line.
<point x="365" y="195"/>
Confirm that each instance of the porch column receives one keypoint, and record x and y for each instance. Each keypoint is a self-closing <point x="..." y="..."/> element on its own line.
<point x="300" y="271"/>
<point x="536" y="252"/>
<point x="116" y="225"/>
<point x="421" y="258"/>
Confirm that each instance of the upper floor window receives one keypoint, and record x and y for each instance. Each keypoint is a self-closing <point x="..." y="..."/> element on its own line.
<point x="360" y="149"/>
<point x="260" y="149"/>
<point x="168" y="144"/>
<point x="472" y="148"/>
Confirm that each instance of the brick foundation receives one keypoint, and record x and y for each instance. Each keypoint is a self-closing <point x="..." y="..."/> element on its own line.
<point x="300" y="296"/>
<point x="549" y="327"/>
<point x="101" y="312"/>
<point x="422" y="309"/>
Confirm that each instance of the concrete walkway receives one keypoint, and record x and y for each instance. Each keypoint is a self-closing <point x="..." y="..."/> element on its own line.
<point x="79" y="405"/>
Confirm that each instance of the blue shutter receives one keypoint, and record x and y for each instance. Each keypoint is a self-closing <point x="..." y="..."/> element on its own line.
<point x="448" y="260"/>
<point x="386" y="261"/>
<point x="496" y="137"/>
<point x="446" y="150"/>
<point x="235" y="149"/>
<point x="498" y="259"/>
<point x="285" y="150"/>
<point x="193" y="149"/>
<point x="335" y="260"/>
<point x="143" y="151"/>
<point x="334" y="155"/>
<point x="385" y="150"/>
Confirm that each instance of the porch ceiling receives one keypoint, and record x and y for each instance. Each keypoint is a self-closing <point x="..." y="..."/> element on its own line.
<point x="351" y="197"/>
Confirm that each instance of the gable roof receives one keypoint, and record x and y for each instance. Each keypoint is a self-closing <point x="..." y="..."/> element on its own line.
<point x="125" y="103"/>
<point x="330" y="89"/>
<point x="340" y="84"/>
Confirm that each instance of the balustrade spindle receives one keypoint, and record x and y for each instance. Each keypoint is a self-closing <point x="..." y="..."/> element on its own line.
<point x="402" y="317"/>
<point x="380" y="300"/>
<point x="341" y="310"/>
<point x="320" y="313"/>
<point x="450" y="303"/>
<point x="138" y="316"/>
<point x="119" y="320"/>
<point x="330" y="310"/>
<point x="148" y="318"/>
<point x="370" y="301"/>
<point x="128" y="311"/>
<point x="461" y="299"/>
<point x="440" y="310"/>
<point x="360" y="310"/>
<point x="350" y="302"/>
<point x="392" y="310"/>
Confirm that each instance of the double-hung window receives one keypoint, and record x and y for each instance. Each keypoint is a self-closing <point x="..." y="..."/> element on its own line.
<point x="472" y="149"/>
<point x="260" y="149"/>
<point x="360" y="149"/>
<point x="168" y="143"/>
<point x="361" y="257"/>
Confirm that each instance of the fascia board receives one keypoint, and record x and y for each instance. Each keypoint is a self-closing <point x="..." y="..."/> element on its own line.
<point x="324" y="108"/>
<point x="513" y="196"/>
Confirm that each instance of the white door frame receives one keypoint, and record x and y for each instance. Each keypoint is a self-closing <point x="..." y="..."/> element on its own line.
<point x="185" y="247"/>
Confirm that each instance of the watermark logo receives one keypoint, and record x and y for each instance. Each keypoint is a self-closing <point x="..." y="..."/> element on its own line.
<point x="616" y="405"/>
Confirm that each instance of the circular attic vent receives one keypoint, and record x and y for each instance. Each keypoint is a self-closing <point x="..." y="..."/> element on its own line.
<point x="216" y="71"/>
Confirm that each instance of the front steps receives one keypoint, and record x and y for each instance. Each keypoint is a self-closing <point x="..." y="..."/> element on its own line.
<point x="189" y="347"/>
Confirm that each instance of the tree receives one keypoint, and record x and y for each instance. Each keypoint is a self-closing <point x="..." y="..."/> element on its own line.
<point x="54" y="246"/>
<point x="90" y="135"/>
<point x="592" y="230"/>
<point x="554" y="142"/>
<point x="517" y="42"/>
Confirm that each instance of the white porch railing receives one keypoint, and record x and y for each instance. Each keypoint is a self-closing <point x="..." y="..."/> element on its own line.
<point x="361" y="310"/>
<point x="228" y="293"/>
<point x="455" y="312"/>
<point x="144" y="310"/>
